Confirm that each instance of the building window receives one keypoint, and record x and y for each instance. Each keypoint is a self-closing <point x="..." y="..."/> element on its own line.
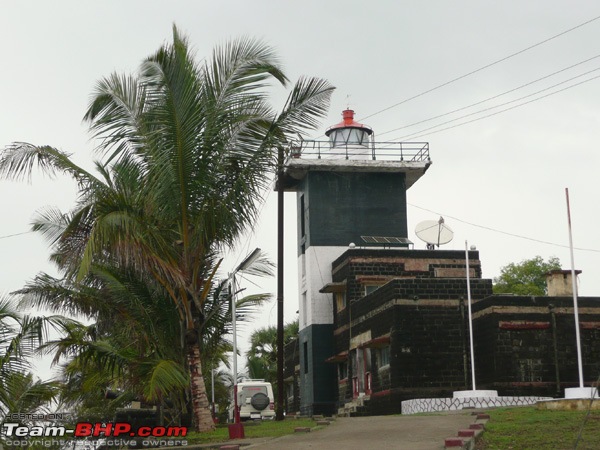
<point x="305" y="348"/>
<point x="340" y="300"/>
<point x="384" y="356"/>
<point x="302" y="218"/>
<point x="303" y="261"/>
<point x="343" y="370"/>
<point x="371" y="288"/>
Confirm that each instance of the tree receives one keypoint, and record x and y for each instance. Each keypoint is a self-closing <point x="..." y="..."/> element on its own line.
<point x="188" y="152"/>
<point x="525" y="278"/>
<point x="132" y="346"/>
<point x="142" y="357"/>
<point x="262" y="356"/>
<point x="19" y="337"/>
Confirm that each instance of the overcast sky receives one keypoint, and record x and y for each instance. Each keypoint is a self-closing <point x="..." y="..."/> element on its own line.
<point x="491" y="179"/>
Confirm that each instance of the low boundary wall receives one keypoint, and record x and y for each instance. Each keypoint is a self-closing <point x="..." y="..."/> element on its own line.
<point x="423" y="405"/>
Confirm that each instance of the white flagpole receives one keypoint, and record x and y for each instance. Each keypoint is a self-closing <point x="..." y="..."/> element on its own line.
<point x="575" y="307"/>
<point x="470" y="318"/>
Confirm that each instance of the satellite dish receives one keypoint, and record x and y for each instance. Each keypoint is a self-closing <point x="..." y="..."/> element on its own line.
<point x="434" y="232"/>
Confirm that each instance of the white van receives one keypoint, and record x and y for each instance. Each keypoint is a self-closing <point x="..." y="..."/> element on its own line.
<point x="255" y="400"/>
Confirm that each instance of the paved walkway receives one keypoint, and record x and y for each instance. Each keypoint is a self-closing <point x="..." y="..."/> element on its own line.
<point x="377" y="432"/>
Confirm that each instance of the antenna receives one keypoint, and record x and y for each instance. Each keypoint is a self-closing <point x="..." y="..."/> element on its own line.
<point x="434" y="232"/>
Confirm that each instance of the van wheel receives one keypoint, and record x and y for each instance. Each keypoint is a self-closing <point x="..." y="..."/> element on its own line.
<point x="259" y="401"/>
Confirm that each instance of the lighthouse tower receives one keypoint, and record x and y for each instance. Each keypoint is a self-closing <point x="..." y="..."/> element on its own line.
<point x="351" y="191"/>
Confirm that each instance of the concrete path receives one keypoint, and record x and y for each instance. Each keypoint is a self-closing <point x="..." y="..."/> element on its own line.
<point x="377" y="432"/>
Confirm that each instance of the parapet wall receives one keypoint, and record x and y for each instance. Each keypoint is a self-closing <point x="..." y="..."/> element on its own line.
<point x="424" y="405"/>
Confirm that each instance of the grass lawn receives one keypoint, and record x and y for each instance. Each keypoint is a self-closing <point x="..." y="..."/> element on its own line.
<point x="266" y="428"/>
<point x="532" y="429"/>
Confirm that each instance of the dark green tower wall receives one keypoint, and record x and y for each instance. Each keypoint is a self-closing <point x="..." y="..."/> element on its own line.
<point x="340" y="207"/>
<point x="317" y="377"/>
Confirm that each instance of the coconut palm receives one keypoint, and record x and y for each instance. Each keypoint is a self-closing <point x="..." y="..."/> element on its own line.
<point x="262" y="357"/>
<point x="142" y="356"/>
<point x="19" y="337"/>
<point x="188" y="153"/>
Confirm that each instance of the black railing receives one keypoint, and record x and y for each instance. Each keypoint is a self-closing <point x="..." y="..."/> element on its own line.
<point x="383" y="151"/>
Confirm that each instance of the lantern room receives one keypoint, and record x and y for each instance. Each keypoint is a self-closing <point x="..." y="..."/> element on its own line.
<point x="348" y="132"/>
<point x="349" y="137"/>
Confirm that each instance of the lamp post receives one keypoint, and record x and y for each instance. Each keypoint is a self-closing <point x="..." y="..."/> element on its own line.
<point x="237" y="430"/>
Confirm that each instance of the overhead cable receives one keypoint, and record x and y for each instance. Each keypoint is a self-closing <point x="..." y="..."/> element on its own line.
<point x="483" y="68"/>
<point x="491" y="98"/>
<point x="418" y="134"/>
<point x="495" y="230"/>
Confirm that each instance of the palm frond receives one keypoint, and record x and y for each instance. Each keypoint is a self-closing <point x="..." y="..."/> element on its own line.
<point x="19" y="159"/>
<point x="166" y="376"/>
<point x="51" y="223"/>
<point x="115" y="115"/>
<point x="307" y="103"/>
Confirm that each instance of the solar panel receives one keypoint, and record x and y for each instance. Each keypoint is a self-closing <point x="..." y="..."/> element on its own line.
<point x="386" y="240"/>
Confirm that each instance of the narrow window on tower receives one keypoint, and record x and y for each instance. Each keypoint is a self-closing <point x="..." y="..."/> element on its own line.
<point x="303" y="261"/>
<point x="302" y="217"/>
<point x="305" y="348"/>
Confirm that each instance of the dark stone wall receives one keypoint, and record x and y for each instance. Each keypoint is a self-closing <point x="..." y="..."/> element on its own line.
<point x="426" y="321"/>
<point x="427" y="348"/>
<point x="424" y="316"/>
<point x="527" y="345"/>
<point x="523" y="345"/>
<point x="355" y="266"/>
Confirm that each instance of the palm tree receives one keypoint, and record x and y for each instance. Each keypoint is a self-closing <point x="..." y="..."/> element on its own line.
<point x="141" y="357"/>
<point x="19" y="337"/>
<point x="188" y="152"/>
<point x="262" y="356"/>
<point x="132" y="344"/>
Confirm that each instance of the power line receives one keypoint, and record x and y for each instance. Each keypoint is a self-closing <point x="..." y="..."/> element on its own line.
<point x="490" y="98"/>
<point x="417" y="135"/>
<point x="503" y="232"/>
<point x="482" y="68"/>
<point x="16" y="234"/>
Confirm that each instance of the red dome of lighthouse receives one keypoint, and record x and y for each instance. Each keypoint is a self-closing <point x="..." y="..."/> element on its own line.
<point x="354" y="137"/>
<point x="348" y="122"/>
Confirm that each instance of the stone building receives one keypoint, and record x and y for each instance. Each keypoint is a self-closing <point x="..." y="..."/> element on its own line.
<point x="381" y="322"/>
<point x="400" y="332"/>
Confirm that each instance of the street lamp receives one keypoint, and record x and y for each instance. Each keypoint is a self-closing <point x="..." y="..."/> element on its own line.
<point x="237" y="430"/>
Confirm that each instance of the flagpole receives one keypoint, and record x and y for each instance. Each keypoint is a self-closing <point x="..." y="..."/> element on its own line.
<point x="574" y="281"/>
<point x="470" y="318"/>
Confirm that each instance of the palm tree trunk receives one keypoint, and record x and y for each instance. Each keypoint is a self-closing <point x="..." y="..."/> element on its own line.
<point x="200" y="405"/>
